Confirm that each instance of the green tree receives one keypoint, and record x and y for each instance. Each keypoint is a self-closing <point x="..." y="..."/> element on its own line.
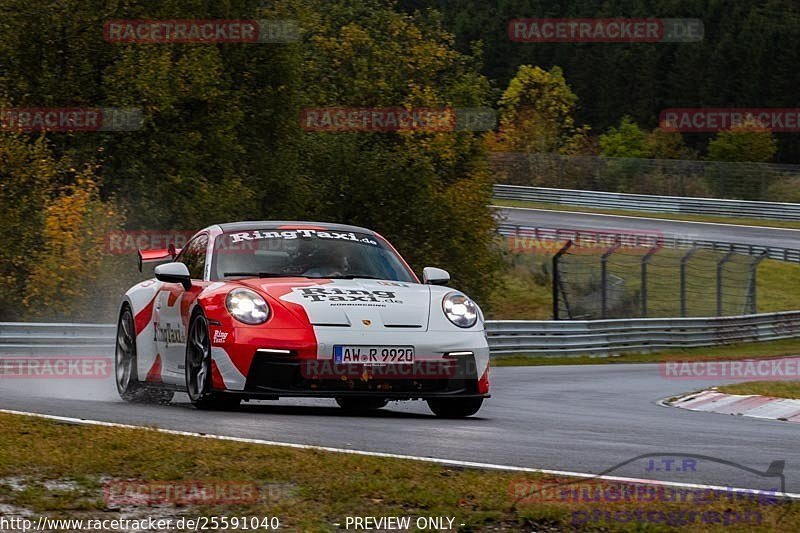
<point x="737" y="149"/>
<point x="537" y="114"/>
<point x="222" y="140"/>
<point x="427" y="192"/>
<point x="743" y="143"/>
<point x="627" y="140"/>
<point x="663" y="144"/>
<point x="28" y="171"/>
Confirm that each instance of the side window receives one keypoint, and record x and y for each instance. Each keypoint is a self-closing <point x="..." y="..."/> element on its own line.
<point x="194" y="256"/>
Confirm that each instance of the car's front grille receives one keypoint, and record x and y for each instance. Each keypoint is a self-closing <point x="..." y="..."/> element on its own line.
<point x="271" y="374"/>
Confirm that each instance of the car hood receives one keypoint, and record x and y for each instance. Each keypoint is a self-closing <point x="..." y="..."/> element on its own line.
<point x="355" y="303"/>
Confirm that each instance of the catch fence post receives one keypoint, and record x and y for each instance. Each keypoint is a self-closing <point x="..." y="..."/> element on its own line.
<point x="645" y="262"/>
<point x="684" y="261"/>
<point x="604" y="277"/>
<point x="557" y="278"/>
<point x="720" y="269"/>
<point x="753" y="282"/>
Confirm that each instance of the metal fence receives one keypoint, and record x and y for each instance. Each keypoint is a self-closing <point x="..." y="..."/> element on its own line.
<point x="37" y="339"/>
<point x="636" y="335"/>
<point x="631" y="282"/>
<point x="543" y="337"/>
<point x="656" y="204"/>
<point x="627" y="274"/>
<point x="666" y="177"/>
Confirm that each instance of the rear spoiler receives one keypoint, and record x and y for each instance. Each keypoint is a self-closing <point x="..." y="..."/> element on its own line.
<point x="157" y="256"/>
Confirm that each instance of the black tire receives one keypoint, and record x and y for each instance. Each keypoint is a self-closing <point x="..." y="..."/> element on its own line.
<point x="198" y="370"/>
<point x="361" y="405"/>
<point x="126" y="375"/>
<point x="455" y="407"/>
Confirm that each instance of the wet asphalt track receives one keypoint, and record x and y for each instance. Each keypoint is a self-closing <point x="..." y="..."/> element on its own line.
<point x="572" y="418"/>
<point x="575" y="418"/>
<point x="779" y="238"/>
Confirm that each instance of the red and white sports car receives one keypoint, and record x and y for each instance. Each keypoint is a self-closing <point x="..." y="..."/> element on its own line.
<point x="262" y="310"/>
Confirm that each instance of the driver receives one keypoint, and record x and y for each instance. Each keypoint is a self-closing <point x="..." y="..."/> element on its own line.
<point x="327" y="262"/>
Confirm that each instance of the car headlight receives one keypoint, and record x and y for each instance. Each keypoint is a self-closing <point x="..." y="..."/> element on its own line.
<point x="247" y="306"/>
<point x="460" y="310"/>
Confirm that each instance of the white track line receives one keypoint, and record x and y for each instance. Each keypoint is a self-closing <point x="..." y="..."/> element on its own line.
<point x="444" y="462"/>
<point x="644" y="218"/>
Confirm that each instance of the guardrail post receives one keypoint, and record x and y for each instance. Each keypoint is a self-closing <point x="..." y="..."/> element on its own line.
<point x="684" y="260"/>
<point x="557" y="279"/>
<point x="604" y="277"/>
<point x="720" y="267"/>
<point x="645" y="262"/>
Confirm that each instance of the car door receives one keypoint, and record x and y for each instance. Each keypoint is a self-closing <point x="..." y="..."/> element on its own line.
<point x="172" y="308"/>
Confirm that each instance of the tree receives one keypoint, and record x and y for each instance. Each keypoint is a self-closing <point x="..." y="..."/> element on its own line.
<point x="737" y="149"/>
<point x="28" y="171"/>
<point x="743" y="143"/>
<point x="221" y="138"/>
<point x="428" y="192"/>
<point x="64" y="270"/>
<point x="537" y="114"/>
<point x="663" y="144"/>
<point x="52" y="257"/>
<point x="628" y="140"/>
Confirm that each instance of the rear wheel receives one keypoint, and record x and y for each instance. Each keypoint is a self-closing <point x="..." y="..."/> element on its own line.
<point x="455" y="407"/>
<point x="361" y="405"/>
<point x="198" y="369"/>
<point x="125" y="370"/>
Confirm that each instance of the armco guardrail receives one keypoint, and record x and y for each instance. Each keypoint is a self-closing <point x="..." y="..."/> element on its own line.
<point x="541" y="337"/>
<point x="571" y="337"/>
<point x="35" y="339"/>
<point x="641" y="202"/>
<point x="565" y="234"/>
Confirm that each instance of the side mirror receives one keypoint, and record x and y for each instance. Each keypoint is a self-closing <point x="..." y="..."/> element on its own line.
<point x="435" y="276"/>
<point x="174" y="273"/>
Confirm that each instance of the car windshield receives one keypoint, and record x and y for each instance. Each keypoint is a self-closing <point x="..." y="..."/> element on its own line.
<point x="307" y="253"/>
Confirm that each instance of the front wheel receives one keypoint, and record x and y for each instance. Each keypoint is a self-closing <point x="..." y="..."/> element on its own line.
<point x="125" y="371"/>
<point x="198" y="370"/>
<point x="455" y="407"/>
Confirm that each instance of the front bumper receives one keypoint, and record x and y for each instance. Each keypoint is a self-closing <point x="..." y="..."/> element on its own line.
<point x="268" y="363"/>
<point x="276" y="376"/>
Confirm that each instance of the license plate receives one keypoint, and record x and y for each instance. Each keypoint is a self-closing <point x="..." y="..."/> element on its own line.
<point x="373" y="354"/>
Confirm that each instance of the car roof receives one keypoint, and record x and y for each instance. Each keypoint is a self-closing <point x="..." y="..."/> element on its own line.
<point x="289" y="224"/>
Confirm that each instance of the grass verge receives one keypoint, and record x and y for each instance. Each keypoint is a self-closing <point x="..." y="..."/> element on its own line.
<point x="790" y="224"/>
<point x="734" y="351"/>
<point x="775" y="389"/>
<point x="60" y="470"/>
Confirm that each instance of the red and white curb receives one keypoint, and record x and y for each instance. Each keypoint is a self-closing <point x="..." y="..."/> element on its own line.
<point x="737" y="404"/>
